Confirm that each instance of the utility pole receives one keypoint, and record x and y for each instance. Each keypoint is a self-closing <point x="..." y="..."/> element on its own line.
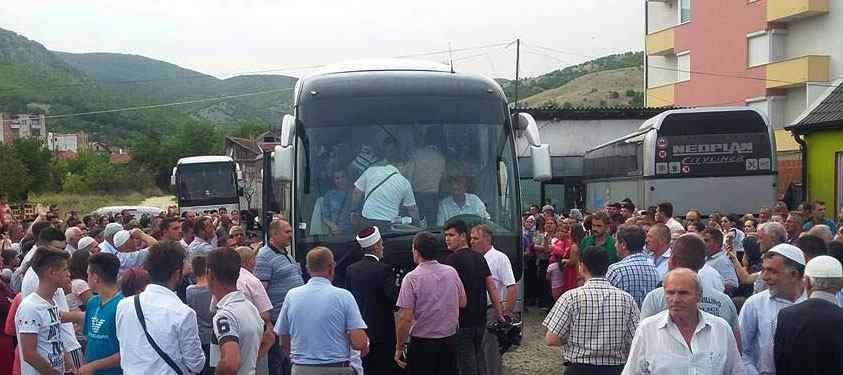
<point x="517" y="68"/>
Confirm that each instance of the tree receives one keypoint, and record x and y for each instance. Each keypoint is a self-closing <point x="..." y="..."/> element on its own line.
<point x="250" y="129"/>
<point x="14" y="175"/>
<point x="33" y="153"/>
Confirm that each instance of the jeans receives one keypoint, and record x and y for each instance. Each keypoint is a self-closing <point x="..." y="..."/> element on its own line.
<point x="470" y="350"/>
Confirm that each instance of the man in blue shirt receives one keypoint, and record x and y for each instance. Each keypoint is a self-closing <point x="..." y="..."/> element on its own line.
<point x="279" y="272"/>
<point x="634" y="273"/>
<point x="103" y="351"/>
<point x="818" y="217"/>
<point x="319" y="323"/>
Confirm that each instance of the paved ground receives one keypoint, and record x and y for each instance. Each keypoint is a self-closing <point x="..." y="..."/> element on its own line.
<point x="161" y="202"/>
<point x="533" y="357"/>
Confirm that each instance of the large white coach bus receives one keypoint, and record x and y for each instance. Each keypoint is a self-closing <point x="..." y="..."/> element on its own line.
<point x="721" y="158"/>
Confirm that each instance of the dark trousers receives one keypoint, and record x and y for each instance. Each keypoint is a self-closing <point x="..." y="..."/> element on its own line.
<point x="545" y="300"/>
<point x="470" y="350"/>
<point x="578" y="369"/>
<point x="381" y="359"/>
<point x="428" y="204"/>
<point x="208" y="370"/>
<point x="279" y="362"/>
<point x="531" y="287"/>
<point x="432" y="356"/>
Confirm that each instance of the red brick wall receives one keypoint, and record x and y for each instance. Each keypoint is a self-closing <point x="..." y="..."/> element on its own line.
<point x="789" y="171"/>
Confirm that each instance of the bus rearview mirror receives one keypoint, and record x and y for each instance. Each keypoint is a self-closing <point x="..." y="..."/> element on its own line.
<point x="288" y="130"/>
<point x="539" y="152"/>
<point x="282" y="163"/>
<point x="173" y="178"/>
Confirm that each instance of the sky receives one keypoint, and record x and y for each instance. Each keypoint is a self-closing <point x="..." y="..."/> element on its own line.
<point x="225" y="38"/>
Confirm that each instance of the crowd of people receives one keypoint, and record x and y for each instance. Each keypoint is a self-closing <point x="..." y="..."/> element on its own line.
<point x="642" y="292"/>
<point x="625" y="291"/>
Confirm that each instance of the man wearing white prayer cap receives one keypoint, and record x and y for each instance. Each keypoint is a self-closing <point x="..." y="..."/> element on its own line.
<point x="809" y="332"/>
<point x="129" y="252"/>
<point x="783" y="268"/>
<point x="90" y="244"/>
<point x="107" y="245"/>
<point x="372" y="283"/>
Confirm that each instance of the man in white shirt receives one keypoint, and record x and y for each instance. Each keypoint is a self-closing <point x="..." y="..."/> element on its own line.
<point x="683" y="339"/>
<point x="501" y="268"/>
<point x="237" y="325"/>
<point x="169" y="322"/>
<point x="382" y="190"/>
<point x="717" y="258"/>
<point x="460" y="202"/>
<point x="38" y="320"/>
<point x="205" y="239"/>
<point x="664" y="215"/>
<point x="783" y="267"/>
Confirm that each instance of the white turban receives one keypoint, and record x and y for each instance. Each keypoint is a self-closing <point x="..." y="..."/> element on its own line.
<point x="368" y="236"/>
<point x="86" y="241"/>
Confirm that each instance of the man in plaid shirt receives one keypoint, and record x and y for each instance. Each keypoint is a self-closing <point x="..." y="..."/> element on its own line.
<point x="634" y="273"/>
<point x="594" y="323"/>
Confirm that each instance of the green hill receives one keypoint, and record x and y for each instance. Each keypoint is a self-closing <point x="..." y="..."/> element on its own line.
<point x="142" y="76"/>
<point x="599" y="89"/>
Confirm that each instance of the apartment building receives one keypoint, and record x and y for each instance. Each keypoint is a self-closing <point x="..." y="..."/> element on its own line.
<point x="778" y="56"/>
<point x="21" y="126"/>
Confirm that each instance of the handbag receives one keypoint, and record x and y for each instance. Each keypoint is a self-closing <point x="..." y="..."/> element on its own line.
<point x="155" y="346"/>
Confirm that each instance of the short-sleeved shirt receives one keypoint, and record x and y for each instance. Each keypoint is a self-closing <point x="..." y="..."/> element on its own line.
<point x="101" y="331"/>
<point x="609" y="246"/>
<point x="237" y="319"/>
<point x="721" y="263"/>
<point x="473" y="271"/>
<point x="281" y="272"/>
<point x="713" y="302"/>
<point x="384" y="202"/>
<point x="253" y="291"/>
<point x="38" y="316"/>
<point x="199" y="299"/>
<point x="501" y="269"/>
<point x="433" y="292"/>
<point x="449" y="208"/>
<point x="317" y="317"/>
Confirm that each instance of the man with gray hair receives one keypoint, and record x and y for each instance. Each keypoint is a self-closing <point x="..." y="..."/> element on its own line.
<point x="808" y="332"/>
<point x="107" y="245"/>
<point x="819" y="230"/>
<point x="655" y="349"/>
<point x="73" y="235"/>
<point x="770" y="234"/>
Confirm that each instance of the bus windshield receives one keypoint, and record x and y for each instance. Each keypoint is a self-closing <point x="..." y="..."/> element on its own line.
<point x="207" y="183"/>
<point x="404" y="164"/>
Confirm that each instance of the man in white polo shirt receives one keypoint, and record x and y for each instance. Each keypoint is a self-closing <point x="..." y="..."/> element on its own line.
<point x="382" y="190"/>
<point x="501" y="268"/>
<point x="460" y="202"/>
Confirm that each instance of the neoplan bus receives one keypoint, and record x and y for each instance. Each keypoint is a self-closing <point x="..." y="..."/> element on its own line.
<point x="435" y="126"/>
<point x="705" y="158"/>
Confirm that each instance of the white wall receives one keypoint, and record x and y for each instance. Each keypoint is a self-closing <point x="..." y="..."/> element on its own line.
<point x="575" y="137"/>
<point x="795" y="104"/>
<point x="661" y="15"/>
<point x="658" y="77"/>
<point x="819" y="35"/>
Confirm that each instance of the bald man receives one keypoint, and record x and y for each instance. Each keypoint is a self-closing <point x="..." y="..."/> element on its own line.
<point x="320" y="340"/>
<point x="662" y="342"/>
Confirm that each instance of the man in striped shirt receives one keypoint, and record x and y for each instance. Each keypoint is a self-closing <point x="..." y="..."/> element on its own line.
<point x="594" y="323"/>
<point x="634" y="273"/>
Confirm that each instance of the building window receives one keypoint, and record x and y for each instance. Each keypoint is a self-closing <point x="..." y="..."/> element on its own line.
<point x="758" y="49"/>
<point x="683" y="66"/>
<point x="684" y="11"/>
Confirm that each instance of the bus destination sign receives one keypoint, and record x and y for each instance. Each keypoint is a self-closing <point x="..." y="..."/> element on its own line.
<point x="713" y="155"/>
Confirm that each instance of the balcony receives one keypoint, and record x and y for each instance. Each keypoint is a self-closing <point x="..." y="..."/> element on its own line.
<point x="660" y="43"/>
<point x="798" y="71"/>
<point x="790" y="10"/>
<point x="660" y="96"/>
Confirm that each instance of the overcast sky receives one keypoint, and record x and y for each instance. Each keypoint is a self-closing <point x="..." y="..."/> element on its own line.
<point x="227" y="37"/>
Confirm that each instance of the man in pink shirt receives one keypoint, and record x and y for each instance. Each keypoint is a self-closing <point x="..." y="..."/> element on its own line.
<point x="430" y="300"/>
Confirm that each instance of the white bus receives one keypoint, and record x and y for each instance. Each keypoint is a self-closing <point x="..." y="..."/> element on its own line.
<point x="705" y="158"/>
<point x="207" y="183"/>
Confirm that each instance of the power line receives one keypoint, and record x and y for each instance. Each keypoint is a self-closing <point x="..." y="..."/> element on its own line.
<point x="716" y="74"/>
<point x="173" y="104"/>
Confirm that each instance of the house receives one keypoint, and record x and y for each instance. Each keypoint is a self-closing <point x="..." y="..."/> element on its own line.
<point x="820" y="131"/>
